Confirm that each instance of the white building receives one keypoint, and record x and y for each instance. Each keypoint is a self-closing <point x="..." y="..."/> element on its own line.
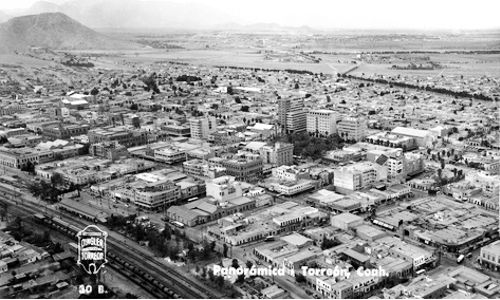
<point x="288" y="173"/>
<point x="280" y="154"/>
<point x="202" y="127"/>
<point x="352" y="128"/>
<point x="358" y="176"/>
<point x="424" y="138"/>
<point x="224" y="188"/>
<point x="322" y="122"/>
<point x="290" y="188"/>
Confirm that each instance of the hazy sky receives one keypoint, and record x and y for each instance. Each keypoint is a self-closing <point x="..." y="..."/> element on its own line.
<point x="379" y="14"/>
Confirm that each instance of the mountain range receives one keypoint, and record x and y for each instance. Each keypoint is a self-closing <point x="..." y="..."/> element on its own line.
<point x="54" y="31"/>
<point x="130" y="13"/>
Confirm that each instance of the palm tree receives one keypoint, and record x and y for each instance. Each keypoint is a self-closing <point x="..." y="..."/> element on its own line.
<point x="4" y="216"/>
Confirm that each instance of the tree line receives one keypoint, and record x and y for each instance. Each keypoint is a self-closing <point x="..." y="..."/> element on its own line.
<point x="439" y="90"/>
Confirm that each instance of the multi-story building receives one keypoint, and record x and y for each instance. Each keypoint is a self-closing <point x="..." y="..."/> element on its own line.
<point x="224" y="188"/>
<point x="290" y="188"/>
<point x="399" y="165"/>
<point x="296" y="121"/>
<point x="198" y="167"/>
<point x="289" y="173"/>
<point x="490" y="256"/>
<point x="279" y="155"/>
<point x="64" y="131"/>
<point x="127" y="137"/>
<point x="283" y="108"/>
<point x="392" y="140"/>
<point x="419" y="257"/>
<point x="208" y="209"/>
<point x="321" y="122"/>
<point x="109" y="150"/>
<point x="11" y="109"/>
<point x="177" y="130"/>
<point x="224" y="137"/>
<point x="423" y="138"/>
<point x="414" y="163"/>
<point x="358" y="176"/>
<point x="25" y="140"/>
<point x="170" y="155"/>
<point x="244" y="167"/>
<point x="153" y="195"/>
<point x="286" y="106"/>
<point x="202" y="127"/>
<point x="352" y="128"/>
<point x="19" y="158"/>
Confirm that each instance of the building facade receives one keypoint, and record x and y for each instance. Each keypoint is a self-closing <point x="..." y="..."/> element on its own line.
<point x="490" y="256"/>
<point x="352" y="128"/>
<point x="322" y="122"/>
<point x="202" y="127"/>
<point x="358" y="176"/>
<point x="296" y="121"/>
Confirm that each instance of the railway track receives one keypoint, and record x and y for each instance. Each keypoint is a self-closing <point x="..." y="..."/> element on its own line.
<point x="147" y="267"/>
<point x="121" y="268"/>
<point x="112" y="263"/>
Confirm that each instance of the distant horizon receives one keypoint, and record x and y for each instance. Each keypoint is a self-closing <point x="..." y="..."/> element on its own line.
<point x="355" y="15"/>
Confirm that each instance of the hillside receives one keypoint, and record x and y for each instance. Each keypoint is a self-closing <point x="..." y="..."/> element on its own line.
<point x="133" y="13"/>
<point x="54" y="31"/>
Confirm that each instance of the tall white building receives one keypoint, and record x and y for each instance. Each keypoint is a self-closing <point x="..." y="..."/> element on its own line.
<point x="296" y="121"/>
<point x="322" y="122"/>
<point x="291" y="115"/>
<point x="202" y="127"/>
<point x="352" y="128"/>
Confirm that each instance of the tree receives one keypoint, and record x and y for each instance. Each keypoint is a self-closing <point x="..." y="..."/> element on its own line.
<point x="56" y="179"/>
<point x="235" y="264"/>
<point x="299" y="277"/>
<point x="136" y="122"/>
<point x="296" y="85"/>
<point x="440" y="174"/>
<point x="134" y="106"/>
<point x="245" y="108"/>
<point x="219" y="280"/>
<point x="327" y="243"/>
<point x="249" y="264"/>
<point x="4" y="212"/>
<point x="28" y="167"/>
<point x="211" y="274"/>
<point x="150" y="83"/>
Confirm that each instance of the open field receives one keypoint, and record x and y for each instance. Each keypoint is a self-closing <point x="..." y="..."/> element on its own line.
<point x="230" y="57"/>
<point x="453" y="64"/>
